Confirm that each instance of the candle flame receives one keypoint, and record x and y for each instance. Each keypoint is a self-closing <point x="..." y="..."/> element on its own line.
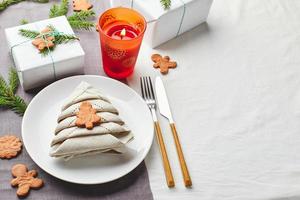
<point x="123" y="32"/>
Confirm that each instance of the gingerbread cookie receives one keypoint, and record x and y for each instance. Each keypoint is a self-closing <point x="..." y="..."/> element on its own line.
<point x="86" y="117"/>
<point x="81" y="5"/>
<point x="163" y="63"/>
<point x="24" y="179"/>
<point x="43" y="41"/>
<point x="10" y="146"/>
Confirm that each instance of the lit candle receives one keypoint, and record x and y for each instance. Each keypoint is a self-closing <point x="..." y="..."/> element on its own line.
<point x="121" y="32"/>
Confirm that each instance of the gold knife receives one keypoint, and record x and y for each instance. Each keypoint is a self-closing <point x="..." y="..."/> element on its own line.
<point x="164" y="110"/>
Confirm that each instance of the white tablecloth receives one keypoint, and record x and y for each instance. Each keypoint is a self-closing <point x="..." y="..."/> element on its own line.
<point x="235" y="97"/>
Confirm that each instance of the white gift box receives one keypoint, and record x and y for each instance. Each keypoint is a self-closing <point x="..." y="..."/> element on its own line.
<point x="35" y="69"/>
<point x="164" y="25"/>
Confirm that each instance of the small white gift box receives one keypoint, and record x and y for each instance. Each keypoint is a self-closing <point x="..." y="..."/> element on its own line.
<point x="35" y="69"/>
<point x="164" y="25"/>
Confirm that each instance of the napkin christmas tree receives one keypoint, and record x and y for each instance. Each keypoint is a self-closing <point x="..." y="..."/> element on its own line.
<point x="109" y="135"/>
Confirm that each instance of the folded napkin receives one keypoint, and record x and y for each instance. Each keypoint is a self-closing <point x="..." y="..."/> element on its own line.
<point x="110" y="135"/>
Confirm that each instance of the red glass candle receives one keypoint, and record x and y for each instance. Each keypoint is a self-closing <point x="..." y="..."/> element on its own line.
<point x="121" y="31"/>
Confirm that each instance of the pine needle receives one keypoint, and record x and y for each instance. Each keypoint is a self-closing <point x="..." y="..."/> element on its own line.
<point x="13" y="80"/>
<point x="80" y="20"/>
<point x="6" y="3"/>
<point x="59" y="10"/>
<point x="29" y="33"/>
<point x="23" y="21"/>
<point x="166" y="4"/>
<point x="64" y="38"/>
<point x="8" y="98"/>
<point x="82" y="15"/>
<point x="82" y="25"/>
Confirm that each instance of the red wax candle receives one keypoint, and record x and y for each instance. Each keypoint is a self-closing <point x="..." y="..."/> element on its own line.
<point x="121" y="31"/>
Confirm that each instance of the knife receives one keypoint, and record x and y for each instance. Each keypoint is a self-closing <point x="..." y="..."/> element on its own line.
<point x="165" y="110"/>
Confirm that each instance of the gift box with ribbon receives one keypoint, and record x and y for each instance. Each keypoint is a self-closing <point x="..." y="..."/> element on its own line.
<point x="37" y="58"/>
<point x="164" y="25"/>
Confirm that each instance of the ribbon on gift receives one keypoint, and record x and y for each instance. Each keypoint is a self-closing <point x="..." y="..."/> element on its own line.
<point x="43" y="36"/>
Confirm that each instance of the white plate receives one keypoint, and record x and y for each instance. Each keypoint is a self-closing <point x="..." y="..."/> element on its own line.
<point x="39" y="122"/>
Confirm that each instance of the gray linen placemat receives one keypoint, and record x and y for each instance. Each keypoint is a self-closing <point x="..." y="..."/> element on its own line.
<point x="132" y="186"/>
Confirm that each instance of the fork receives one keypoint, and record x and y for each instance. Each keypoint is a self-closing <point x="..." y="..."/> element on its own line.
<point x="149" y="97"/>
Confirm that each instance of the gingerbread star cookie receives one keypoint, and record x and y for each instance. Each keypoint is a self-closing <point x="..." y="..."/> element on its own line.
<point x="10" y="146"/>
<point x="86" y="116"/>
<point x="81" y="5"/>
<point x="24" y="179"/>
<point x="163" y="63"/>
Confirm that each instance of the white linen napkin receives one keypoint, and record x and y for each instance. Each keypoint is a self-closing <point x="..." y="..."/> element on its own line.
<point x="70" y="141"/>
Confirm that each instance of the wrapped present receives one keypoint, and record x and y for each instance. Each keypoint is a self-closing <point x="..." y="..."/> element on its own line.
<point x="164" y="25"/>
<point x="45" y="51"/>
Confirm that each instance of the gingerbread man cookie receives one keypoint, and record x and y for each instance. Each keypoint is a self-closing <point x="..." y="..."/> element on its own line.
<point x="43" y="41"/>
<point x="163" y="63"/>
<point x="24" y="179"/>
<point x="81" y="5"/>
<point x="10" y="146"/>
<point x="86" y="117"/>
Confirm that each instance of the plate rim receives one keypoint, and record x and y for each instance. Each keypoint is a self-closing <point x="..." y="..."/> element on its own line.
<point x="72" y="181"/>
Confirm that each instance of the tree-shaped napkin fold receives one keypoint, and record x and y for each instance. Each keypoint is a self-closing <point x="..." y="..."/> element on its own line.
<point x="106" y="134"/>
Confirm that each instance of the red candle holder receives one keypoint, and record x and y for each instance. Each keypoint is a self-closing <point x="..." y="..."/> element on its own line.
<point x="121" y="32"/>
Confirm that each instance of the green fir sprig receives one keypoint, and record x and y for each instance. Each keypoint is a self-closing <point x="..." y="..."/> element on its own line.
<point x="29" y="33"/>
<point x="80" y="20"/>
<point x="59" y="37"/>
<point x="166" y="4"/>
<point x="59" y="10"/>
<point x="23" y="21"/>
<point x="8" y="97"/>
<point x="6" y="3"/>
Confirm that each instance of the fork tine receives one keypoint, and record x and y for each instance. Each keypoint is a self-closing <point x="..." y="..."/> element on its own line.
<point x="148" y="88"/>
<point x="151" y="88"/>
<point x="142" y="87"/>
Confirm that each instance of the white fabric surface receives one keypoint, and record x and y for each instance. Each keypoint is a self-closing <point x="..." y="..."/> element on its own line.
<point x="235" y="98"/>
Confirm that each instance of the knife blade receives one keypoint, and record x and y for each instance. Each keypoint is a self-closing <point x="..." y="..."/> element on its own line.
<point x="162" y="100"/>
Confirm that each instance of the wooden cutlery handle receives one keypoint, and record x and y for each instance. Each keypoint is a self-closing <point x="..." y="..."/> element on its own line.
<point x="185" y="172"/>
<point x="164" y="155"/>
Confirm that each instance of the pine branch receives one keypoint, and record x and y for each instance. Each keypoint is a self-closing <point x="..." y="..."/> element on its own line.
<point x="3" y="87"/>
<point x="82" y="25"/>
<point x="7" y="94"/>
<point x="29" y="33"/>
<point x="79" y="20"/>
<point x="166" y="4"/>
<point x="59" y="10"/>
<point x="15" y="103"/>
<point x="64" y="38"/>
<point x="6" y="3"/>
<point x="82" y="15"/>
<point x="13" y="80"/>
<point x="23" y="21"/>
